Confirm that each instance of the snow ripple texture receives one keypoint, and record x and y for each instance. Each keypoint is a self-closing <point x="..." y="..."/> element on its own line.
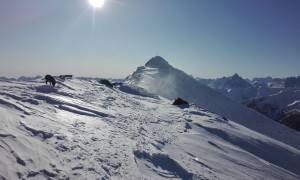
<point x="84" y="130"/>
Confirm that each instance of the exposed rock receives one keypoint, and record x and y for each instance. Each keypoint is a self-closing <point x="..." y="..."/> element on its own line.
<point x="180" y="101"/>
<point x="291" y="119"/>
<point x="106" y="82"/>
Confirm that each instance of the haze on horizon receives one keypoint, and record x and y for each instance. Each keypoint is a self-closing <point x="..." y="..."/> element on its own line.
<point x="206" y="39"/>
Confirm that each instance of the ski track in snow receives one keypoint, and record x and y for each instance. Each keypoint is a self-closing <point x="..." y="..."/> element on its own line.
<point x="84" y="130"/>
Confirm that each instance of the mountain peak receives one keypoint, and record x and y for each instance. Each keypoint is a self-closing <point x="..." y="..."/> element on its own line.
<point x="236" y="76"/>
<point x="157" y="62"/>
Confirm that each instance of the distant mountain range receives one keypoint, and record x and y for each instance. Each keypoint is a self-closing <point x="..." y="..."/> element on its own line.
<point x="276" y="98"/>
<point x="22" y="78"/>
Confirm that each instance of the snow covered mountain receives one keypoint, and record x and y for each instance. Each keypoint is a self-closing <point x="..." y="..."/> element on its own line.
<point x="233" y="82"/>
<point x="275" y="98"/>
<point x="242" y="90"/>
<point x="158" y="77"/>
<point x="84" y="130"/>
<point x="264" y="80"/>
<point x="234" y="87"/>
<point x="283" y="107"/>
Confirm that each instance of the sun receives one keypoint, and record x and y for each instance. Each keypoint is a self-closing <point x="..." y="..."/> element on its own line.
<point x="97" y="3"/>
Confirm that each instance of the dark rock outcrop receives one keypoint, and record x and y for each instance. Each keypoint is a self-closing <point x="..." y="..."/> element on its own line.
<point x="180" y="101"/>
<point x="106" y="82"/>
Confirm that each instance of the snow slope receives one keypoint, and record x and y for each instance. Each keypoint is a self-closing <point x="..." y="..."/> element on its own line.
<point x="275" y="105"/>
<point x="275" y="98"/>
<point x="85" y="130"/>
<point x="158" y="77"/>
<point x="283" y="106"/>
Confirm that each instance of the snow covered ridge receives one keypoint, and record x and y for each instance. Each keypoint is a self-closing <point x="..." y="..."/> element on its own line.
<point x="172" y="83"/>
<point x="275" y="98"/>
<point x="84" y="130"/>
<point x="241" y="90"/>
<point x="283" y="107"/>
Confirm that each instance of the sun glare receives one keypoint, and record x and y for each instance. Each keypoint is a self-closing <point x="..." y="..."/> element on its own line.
<point x="97" y="3"/>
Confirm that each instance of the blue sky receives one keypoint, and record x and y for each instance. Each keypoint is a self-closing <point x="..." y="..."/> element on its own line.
<point x="204" y="38"/>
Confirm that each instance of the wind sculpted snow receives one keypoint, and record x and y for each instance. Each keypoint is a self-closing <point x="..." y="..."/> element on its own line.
<point x="158" y="77"/>
<point x="84" y="130"/>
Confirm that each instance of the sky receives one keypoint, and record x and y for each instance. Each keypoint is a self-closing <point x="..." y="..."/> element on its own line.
<point x="204" y="38"/>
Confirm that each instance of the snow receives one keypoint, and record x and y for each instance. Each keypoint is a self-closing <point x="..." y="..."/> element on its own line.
<point x="295" y="103"/>
<point x="274" y="105"/>
<point x="84" y="130"/>
<point x="157" y="62"/>
<point x="172" y="83"/>
<point x="233" y="82"/>
<point x="275" y="98"/>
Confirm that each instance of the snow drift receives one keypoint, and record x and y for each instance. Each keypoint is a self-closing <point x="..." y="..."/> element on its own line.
<point x="158" y="77"/>
<point x="85" y="130"/>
